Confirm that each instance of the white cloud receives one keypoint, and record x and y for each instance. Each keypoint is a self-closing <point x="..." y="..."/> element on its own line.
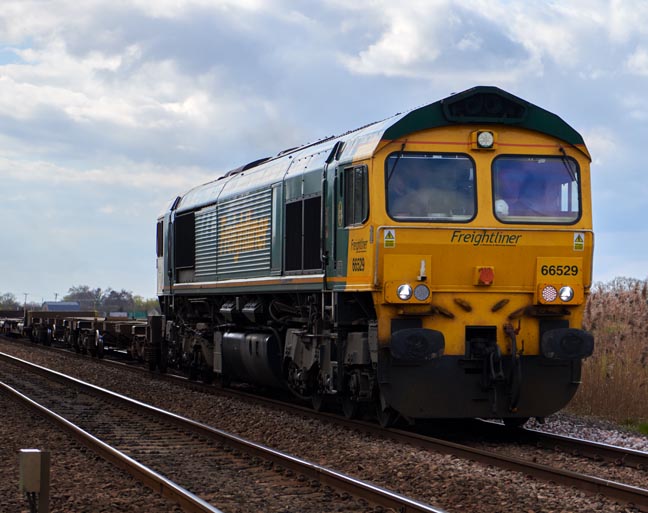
<point x="626" y="19"/>
<point x="470" y="41"/>
<point x="635" y="106"/>
<point x="128" y="176"/>
<point x="408" y="42"/>
<point x="602" y="143"/>
<point x="637" y="63"/>
<point x="174" y="8"/>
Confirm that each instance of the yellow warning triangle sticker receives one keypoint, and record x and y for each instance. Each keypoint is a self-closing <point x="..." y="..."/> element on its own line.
<point x="390" y="238"/>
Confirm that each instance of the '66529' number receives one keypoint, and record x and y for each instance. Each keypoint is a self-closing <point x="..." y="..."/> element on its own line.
<point x="559" y="270"/>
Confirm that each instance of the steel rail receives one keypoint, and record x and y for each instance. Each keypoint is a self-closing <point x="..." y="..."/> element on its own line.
<point x="156" y="482"/>
<point x="626" y="493"/>
<point x="356" y="487"/>
<point x="573" y="445"/>
<point x="590" y="449"/>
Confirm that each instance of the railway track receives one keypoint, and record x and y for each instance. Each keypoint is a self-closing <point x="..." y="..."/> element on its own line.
<point x="597" y="451"/>
<point x="493" y="434"/>
<point x="161" y="449"/>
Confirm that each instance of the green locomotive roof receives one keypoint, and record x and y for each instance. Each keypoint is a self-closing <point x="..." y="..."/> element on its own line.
<point x="483" y="105"/>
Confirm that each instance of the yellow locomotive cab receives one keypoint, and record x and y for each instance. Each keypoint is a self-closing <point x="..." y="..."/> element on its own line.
<point x="493" y="278"/>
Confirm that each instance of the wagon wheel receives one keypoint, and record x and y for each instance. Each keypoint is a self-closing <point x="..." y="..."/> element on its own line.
<point x="90" y="346"/>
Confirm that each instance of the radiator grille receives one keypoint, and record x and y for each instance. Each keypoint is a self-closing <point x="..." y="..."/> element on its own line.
<point x="235" y="236"/>
<point x="244" y="234"/>
<point x="206" y="230"/>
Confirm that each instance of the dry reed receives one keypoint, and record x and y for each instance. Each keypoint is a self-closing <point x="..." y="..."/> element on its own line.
<point x="615" y="377"/>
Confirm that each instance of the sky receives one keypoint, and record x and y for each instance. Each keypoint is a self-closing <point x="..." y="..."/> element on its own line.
<point x="111" y="108"/>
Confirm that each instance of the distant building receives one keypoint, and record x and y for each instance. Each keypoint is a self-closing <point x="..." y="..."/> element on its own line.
<point x="61" y="306"/>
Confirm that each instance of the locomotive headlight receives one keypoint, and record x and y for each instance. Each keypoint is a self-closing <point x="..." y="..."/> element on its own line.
<point x="421" y="292"/>
<point x="549" y="293"/>
<point x="404" y="292"/>
<point x="485" y="139"/>
<point x="566" y="294"/>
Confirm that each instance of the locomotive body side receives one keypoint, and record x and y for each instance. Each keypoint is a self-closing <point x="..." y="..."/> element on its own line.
<point x="434" y="265"/>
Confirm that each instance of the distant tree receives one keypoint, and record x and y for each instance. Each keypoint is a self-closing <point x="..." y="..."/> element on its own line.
<point x="89" y="299"/>
<point x="8" y="301"/>
<point x="113" y="301"/>
<point x="150" y="305"/>
<point x="110" y="300"/>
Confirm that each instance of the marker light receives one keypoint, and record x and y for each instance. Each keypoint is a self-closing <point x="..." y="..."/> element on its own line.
<point x="404" y="292"/>
<point x="549" y="293"/>
<point x="485" y="139"/>
<point x="421" y="292"/>
<point x="566" y="294"/>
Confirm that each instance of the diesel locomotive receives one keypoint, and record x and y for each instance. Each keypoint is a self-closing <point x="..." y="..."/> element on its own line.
<point x="432" y="265"/>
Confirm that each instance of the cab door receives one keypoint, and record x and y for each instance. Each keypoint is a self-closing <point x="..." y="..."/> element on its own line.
<point x="351" y="210"/>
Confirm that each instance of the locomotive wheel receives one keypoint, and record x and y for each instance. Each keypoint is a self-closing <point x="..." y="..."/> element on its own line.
<point x="163" y="364"/>
<point x="318" y="402"/>
<point x="207" y="375"/>
<point x="225" y="380"/>
<point x="350" y="408"/>
<point x="152" y="364"/>
<point x="387" y="417"/>
<point x="515" y="423"/>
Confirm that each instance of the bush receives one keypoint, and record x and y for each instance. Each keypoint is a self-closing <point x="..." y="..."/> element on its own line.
<point x="615" y="377"/>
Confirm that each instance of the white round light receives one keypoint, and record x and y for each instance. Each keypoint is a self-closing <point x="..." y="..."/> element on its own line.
<point x="421" y="292"/>
<point x="404" y="292"/>
<point x="485" y="139"/>
<point x="566" y="294"/>
<point x="549" y="293"/>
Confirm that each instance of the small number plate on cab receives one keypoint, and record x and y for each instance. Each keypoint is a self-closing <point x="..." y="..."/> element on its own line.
<point x="559" y="269"/>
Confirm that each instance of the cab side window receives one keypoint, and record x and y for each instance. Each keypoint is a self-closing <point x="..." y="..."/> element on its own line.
<point x="355" y="192"/>
<point x="160" y="238"/>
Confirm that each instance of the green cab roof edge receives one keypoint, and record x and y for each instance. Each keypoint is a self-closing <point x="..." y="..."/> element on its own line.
<point x="484" y="105"/>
